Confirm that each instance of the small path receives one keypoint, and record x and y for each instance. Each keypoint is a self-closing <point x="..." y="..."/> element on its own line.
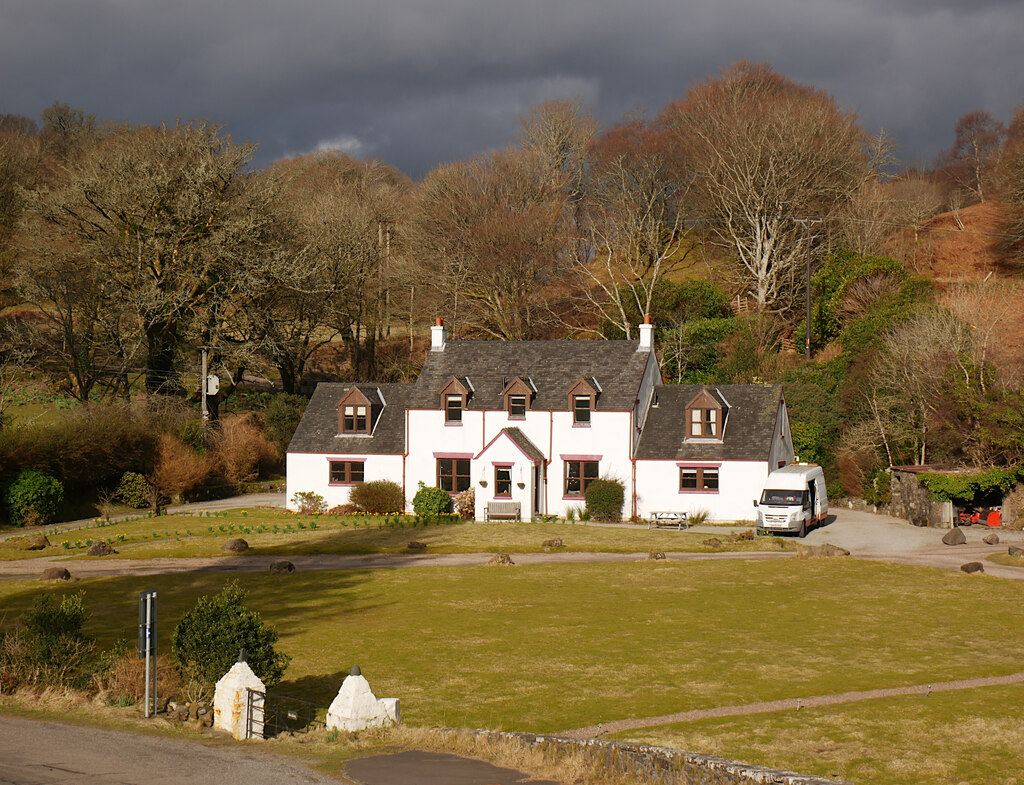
<point x="618" y="726"/>
<point x="95" y="568"/>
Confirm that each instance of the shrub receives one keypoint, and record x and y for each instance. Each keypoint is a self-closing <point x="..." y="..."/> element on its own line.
<point x="34" y="498"/>
<point x="282" y="416"/>
<point x="431" y="502"/>
<point x="378" y="496"/>
<point x="697" y="517"/>
<point x="309" y="503"/>
<point x="605" y="498"/>
<point x="243" y="449"/>
<point x="343" y="509"/>
<point x="122" y="675"/>
<point x="179" y="469"/>
<point x="135" y="490"/>
<point x="206" y="642"/>
<point x="48" y="646"/>
<point x="465" y="504"/>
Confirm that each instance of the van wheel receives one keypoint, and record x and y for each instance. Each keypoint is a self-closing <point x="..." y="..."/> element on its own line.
<point x="803" y="529"/>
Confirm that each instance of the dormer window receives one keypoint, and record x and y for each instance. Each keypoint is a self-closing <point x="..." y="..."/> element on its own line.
<point x="582" y="401"/>
<point x="453" y="408"/>
<point x="517" y="406"/>
<point x="704" y="422"/>
<point x="705" y="416"/>
<point x="355" y="420"/>
<point x="516" y="396"/>
<point x="354" y="413"/>
<point x="454" y="395"/>
<point x="581" y="410"/>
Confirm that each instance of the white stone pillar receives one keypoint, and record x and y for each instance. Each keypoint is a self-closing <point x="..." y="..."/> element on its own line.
<point x="231" y="702"/>
<point x="356" y="707"/>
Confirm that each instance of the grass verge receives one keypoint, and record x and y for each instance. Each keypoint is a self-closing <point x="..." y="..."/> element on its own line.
<point x="973" y="736"/>
<point x="273" y="532"/>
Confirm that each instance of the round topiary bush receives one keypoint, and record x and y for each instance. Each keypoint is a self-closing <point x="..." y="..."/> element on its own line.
<point x="605" y="499"/>
<point x="134" y="490"/>
<point x="34" y="498"/>
<point x="378" y="496"/>
<point x="206" y="641"/>
<point x="431" y="502"/>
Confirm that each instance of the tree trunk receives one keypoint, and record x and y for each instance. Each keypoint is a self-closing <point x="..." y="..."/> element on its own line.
<point x="161" y="343"/>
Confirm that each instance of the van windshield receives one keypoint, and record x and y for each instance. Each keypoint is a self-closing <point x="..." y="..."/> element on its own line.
<point x="785" y="498"/>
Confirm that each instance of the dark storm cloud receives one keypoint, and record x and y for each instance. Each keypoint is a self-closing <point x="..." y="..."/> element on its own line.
<point x="422" y="81"/>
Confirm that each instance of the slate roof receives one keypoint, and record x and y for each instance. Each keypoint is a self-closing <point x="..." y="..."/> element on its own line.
<point x="522" y="441"/>
<point x="552" y="366"/>
<point x="749" y="425"/>
<point x="318" y="430"/>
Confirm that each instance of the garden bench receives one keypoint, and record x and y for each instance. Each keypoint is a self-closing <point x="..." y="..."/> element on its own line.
<point x="668" y="519"/>
<point x="504" y="511"/>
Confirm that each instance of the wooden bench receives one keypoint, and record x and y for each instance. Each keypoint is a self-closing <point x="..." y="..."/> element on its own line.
<point x="502" y="511"/>
<point x="667" y="519"/>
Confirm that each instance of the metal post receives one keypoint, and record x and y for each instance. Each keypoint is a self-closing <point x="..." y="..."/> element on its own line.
<point x="202" y="389"/>
<point x="807" y="331"/>
<point x="149" y="647"/>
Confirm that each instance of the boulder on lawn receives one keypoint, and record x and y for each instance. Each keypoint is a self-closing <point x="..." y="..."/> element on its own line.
<point x="555" y="543"/>
<point x="712" y="542"/>
<point x="1013" y="550"/>
<point x="991" y="539"/>
<point x="282" y="566"/>
<point x="954" y="536"/>
<point x="656" y="555"/>
<point x="55" y="574"/>
<point x="972" y="566"/>
<point x="416" y="545"/>
<point x="235" y="546"/>
<point x="501" y="559"/>
<point x="745" y="535"/>
<point x="101" y="548"/>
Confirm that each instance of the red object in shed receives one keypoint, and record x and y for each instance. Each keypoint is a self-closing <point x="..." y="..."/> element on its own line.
<point x="994" y="518"/>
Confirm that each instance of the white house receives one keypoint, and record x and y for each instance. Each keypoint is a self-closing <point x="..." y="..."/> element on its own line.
<point x="535" y="422"/>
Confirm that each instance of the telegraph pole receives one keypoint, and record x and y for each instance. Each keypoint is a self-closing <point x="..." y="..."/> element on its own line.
<point x="202" y="388"/>
<point x="806" y="222"/>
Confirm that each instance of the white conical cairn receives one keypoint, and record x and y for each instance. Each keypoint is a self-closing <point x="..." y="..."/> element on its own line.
<point x="356" y="707"/>
<point x="231" y="710"/>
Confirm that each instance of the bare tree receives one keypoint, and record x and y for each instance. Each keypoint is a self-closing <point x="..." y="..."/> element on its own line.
<point x="767" y="151"/>
<point x="558" y="132"/>
<point x="634" y="219"/>
<point x="974" y="156"/>
<point x="491" y="236"/>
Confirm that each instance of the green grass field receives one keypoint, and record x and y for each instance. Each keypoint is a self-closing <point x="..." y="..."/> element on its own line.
<point x="974" y="736"/>
<point x="552" y="647"/>
<point x="272" y="532"/>
<point x="1007" y="560"/>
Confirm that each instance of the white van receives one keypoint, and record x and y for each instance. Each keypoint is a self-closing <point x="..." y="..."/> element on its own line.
<point x="793" y="499"/>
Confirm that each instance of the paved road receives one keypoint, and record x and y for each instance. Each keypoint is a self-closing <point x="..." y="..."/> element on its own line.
<point x="49" y="753"/>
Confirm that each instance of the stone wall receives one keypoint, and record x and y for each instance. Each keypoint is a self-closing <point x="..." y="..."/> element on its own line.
<point x="911" y="501"/>
<point x="663" y="765"/>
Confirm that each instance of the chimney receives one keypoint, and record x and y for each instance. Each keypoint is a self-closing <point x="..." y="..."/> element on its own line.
<point x="646" y="335"/>
<point x="438" y="335"/>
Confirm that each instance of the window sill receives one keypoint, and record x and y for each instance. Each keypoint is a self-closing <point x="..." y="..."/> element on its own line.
<point x="453" y="425"/>
<point x="581" y="425"/>
<point x="699" y="490"/>
<point x="343" y="484"/>
<point x="517" y="416"/>
<point x="574" y="498"/>
<point x="346" y="435"/>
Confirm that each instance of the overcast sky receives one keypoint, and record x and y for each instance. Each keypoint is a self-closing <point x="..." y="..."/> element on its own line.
<point x="419" y="82"/>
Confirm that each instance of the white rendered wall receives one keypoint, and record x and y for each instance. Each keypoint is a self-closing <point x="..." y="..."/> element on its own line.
<point x="312" y="472"/>
<point x="503" y="451"/>
<point x="607" y="436"/>
<point x="739" y="483"/>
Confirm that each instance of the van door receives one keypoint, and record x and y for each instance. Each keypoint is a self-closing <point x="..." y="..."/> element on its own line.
<point x="812" y="497"/>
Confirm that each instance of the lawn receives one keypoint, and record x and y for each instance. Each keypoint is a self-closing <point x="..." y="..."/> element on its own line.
<point x="553" y="647"/>
<point x="272" y="532"/>
<point x="973" y="736"/>
<point x="1007" y="560"/>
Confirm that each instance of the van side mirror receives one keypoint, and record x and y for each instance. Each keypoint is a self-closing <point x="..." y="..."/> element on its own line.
<point x="755" y="502"/>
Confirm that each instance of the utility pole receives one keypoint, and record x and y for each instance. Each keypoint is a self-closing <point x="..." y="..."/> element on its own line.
<point x="202" y="392"/>
<point x="806" y="222"/>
